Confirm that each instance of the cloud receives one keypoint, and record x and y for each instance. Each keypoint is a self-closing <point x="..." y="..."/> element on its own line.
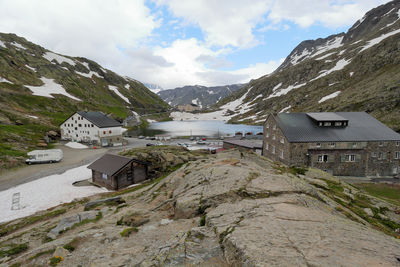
<point x="93" y="29"/>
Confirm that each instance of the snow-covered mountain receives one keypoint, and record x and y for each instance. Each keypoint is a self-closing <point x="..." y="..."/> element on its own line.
<point x="155" y="88"/>
<point x="354" y="71"/>
<point x="202" y="96"/>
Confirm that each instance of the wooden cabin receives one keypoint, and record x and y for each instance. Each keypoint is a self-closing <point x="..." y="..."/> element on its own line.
<point x="115" y="172"/>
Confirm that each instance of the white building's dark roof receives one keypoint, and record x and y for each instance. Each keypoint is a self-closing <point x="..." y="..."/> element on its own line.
<point x="99" y="119"/>
<point x="300" y="127"/>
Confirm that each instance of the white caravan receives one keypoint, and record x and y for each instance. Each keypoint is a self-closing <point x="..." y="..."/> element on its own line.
<point x="45" y="156"/>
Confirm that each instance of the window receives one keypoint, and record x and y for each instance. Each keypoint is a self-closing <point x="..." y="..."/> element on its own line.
<point x="273" y="137"/>
<point x="282" y="140"/>
<point x="281" y="155"/>
<point x="267" y="134"/>
<point x="398" y="143"/>
<point x="109" y="131"/>
<point x="397" y="155"/>
<point x="333" y="144"/>
<point x="327" y="123"/>
<point x="79" y="125"/>
<point x="355" y="144"/>
<point x="266" y="146"/>
<point x="69" y="131"/>
<point x="76" y="121"/>
<point x="104" y="132"/>
<point x="92" y="125"/>
<point x="374" y="154"/>
<point x="104" y="176"/>
<point x="380" y="143"/>
<point x="338" y="123"/>
<point x="322" y="158"/>
<point x="321" y="124"/>
<point x="380" y="155"/>
<point x="350" y="158"/>
<point x="318" y="144"/>
<point x="267" y="125"/>
<point x="273" y="149"/>
<point x="85" y="124"/>
<point x="274" y="127"/>
<point x="76" y="128"/>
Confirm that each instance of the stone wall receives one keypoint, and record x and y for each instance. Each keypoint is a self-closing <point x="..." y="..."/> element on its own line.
<point x="385" y="165"/>
<point x="273" y="138"/>
<point x="107" y="183"/>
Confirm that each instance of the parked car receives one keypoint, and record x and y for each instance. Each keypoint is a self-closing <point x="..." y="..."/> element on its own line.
<point x="44" y="156"/>
<point x="152" y="138"/>
<point x="149" y="144"/>
<point x="203" y="139"/>
<point x="212" y="150"/>
<point x="147" y="138"/>
<point x="141" y="137"/>
<point x="200" y="142"/>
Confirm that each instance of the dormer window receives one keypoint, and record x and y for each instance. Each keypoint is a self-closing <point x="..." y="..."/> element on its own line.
<point x="327" y="123"/>
<point x="338" y="123"/>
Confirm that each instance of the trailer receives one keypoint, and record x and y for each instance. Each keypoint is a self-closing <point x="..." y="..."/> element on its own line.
<point x="44" y="156"/>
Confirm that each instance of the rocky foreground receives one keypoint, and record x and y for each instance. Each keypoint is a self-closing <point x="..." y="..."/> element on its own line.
<point x="229" y="209"/>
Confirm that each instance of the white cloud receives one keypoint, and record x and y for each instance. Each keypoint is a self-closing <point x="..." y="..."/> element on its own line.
<point x="93" y="29"/>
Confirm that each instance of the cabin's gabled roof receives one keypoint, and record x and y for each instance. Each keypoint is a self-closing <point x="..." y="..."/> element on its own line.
<point x="110" y="164"/>
<point x="299" y="127"/>
<point x="99" y="119"/>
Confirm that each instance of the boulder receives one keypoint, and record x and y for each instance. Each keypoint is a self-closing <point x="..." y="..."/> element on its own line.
<point x="369" y="212"/>
<point x="68" y="222"/>
<point x="108" y="201"/>
<point x="61" y="252"/>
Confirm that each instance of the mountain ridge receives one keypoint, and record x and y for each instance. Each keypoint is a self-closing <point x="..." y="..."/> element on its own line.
<point x="358" y="69"/>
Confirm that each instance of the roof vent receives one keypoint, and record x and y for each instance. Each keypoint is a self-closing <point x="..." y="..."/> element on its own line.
<point x="328" y="119"/>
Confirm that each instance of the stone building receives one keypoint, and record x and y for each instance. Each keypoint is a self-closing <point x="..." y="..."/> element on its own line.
<point x="341" y="143"/>
<point x="244" y="145"/>
<point x="115" y="172"/>
<point x="92" y="127"/>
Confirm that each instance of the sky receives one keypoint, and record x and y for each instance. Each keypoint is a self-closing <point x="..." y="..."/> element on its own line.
<point x="173" y="43"/>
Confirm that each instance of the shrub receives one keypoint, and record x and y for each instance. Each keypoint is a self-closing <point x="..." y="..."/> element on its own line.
<point x="203" y="220"/>
<point x="127" y="232"/>
<point x="54" y="261"/>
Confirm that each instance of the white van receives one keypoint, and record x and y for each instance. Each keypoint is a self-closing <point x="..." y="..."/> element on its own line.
<point x="44" y="156"/>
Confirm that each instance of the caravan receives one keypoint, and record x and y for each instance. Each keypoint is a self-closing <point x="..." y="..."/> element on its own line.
<point x="44" y="156"/>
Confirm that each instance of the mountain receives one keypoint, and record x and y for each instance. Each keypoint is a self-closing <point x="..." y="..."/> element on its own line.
<point x="39" y="89"/>
<point x="155" y="88"/>
<point x="354" y="71"/>
<point x="197" y="94"/>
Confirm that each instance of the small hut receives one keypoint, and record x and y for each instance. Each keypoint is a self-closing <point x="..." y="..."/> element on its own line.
<point x="115" y="172"/>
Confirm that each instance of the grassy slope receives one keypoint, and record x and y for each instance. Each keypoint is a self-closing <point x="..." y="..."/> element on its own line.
<point x="19" y="133"/>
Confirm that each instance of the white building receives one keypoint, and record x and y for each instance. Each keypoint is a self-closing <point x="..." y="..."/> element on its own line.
<point x="92" y="127"/>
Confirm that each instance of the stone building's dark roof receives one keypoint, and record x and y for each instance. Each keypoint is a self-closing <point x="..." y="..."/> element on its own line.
<point x="110" y="164"/>
<point x="298" y="127"/>
<point x="99" y="119"/>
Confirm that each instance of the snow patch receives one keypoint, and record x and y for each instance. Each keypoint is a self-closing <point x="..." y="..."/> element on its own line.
<point x="379" y="39"/>
<point x="18" y="45"/>
<point x="325" y="56"/>
<point x="115" y="90"/>
<point x="339" y="65"/>
<point x="46" y="192"/>
<point x="48" y="88"/>
<point x="2" y="44"/>
<point x="284" y="91"/>
<point x="75" y="145"/>
<point x="50" y="56"/>
<point x="33" y="117"/>
<point x="127" y="86"/>
<point x="86" y="65"/>
<point x="333" y="95"/>
<point x="351" y="73"/>
<point x="286" y="109"/>
<point x="88" y="75"/>
<point x="2" y="80"/>
<point x="298" y="58"/>
<point x="332" y="44"/>
<point x="29" y="67"/>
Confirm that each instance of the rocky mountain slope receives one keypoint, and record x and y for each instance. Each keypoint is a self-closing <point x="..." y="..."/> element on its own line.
<point x="197" y="94"/>
<point x="39" y="89"/>
<point x="228" y="209"/>
<point x="354" y="71"/>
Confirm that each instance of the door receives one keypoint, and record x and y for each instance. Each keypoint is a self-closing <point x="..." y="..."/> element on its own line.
<point x="104" y="142"/>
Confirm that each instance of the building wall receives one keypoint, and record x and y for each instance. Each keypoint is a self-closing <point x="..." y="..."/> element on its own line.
<point x="227" y="145"/>
<point x="78" y="129"/>
<point x="275" y="144"/>
<point x="120" y="180"/>
<point x="367" y="158"/>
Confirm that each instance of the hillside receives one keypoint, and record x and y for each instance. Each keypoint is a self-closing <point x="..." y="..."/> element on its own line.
<point x="354" y="71"/>
<point x="203" y="96"/>
<point x="228" y="209"/>
<point x="39" y="89"/>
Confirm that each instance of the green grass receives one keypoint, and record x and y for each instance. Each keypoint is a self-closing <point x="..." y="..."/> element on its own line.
<point x="12" y="227"/>
<point x="388" y="192"/>
<point x="12" y="249"/>
<point x="127" y="232"/>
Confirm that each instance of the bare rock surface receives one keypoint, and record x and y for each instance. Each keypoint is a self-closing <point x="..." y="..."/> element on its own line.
<point x="221" y="211"/>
